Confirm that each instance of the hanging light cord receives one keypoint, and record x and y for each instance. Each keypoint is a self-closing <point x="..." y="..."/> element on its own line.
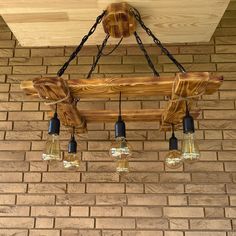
<point x="109" y="53"/>
<point x="73" y="132"/>
<point x="187" y="110"/>
<point x="99" y="54"/>
<point x="173" y="129"/>
<point x="120" y="105"/>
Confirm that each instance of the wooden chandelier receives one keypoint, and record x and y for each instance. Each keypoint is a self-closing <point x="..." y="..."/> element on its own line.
<point x="119" y="22"/>
<point x="185" y="85"/>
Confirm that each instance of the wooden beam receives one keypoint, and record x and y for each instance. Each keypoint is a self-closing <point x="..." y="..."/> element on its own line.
<point x="127" y="115"/>
<point x="70" y="116"/>
<point x="130" y="87"/>
<point x="190" y="87"/>
<point x="146" y="115"/>
<point x="54" y="89"/>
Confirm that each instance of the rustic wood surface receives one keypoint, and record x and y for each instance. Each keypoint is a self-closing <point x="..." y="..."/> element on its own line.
<point x="70" y="116"/>
<point x="189" y="85"/>
<point x="131" y="87"/>
<point x="119" y="21"/>
<point x="172" y="21"/>
<point x="94" y="116"/>
<point x="127" y="115"/>
<point x="54" y="89"/>
<point x="182" y="86"/>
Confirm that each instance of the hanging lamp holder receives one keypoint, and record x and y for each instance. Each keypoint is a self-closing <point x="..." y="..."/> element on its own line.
<point x="72" y="146"/>
<point x="173" y="141"/>
<point x="188" y="122"/>
<point x="54" y="124"/>
<point x="120" y="130"/>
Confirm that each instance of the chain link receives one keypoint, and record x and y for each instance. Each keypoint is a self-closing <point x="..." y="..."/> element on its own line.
<point x="79" y="47"/>
<point x="156" y="40"/>
<point x="149" y="61"/>
<point x="99" y="54"/>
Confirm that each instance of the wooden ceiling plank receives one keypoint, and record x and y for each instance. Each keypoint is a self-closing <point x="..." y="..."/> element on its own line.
<point x="172" y="21"/>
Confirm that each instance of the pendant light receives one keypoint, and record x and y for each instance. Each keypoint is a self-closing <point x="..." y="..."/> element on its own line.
<point x="120" y="149"/>
<point x="52" y="148"/>
<point x="190" y="150"/>
<point x="71" y="160"/>
<point x="173" y="158"/>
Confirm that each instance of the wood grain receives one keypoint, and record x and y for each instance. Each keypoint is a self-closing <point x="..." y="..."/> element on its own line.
<point x="172" y="21"/>
<point x="182" y="86"/>
<point x="119" y="21"/>
<point x="188" y="85"/>
<point x="54" y="89"/>
<point x="131" y="87"/>
<point x="70" y="116"/>
<point x="127" y="115"/>
<point x="94" y="116"/>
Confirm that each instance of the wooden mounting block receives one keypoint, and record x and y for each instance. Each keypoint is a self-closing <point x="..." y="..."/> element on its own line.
<point x="177" y="88"/>
<point x="119" y="21"/>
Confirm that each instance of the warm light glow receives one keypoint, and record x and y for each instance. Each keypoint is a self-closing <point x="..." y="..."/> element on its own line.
<point x="122" y="165"/>
<point x="190" y="151"/>
<point x="71" y="161"/>
<point x="174" y="159"/>
<point x="52" y="149"/>
<point x="121" y="151"/>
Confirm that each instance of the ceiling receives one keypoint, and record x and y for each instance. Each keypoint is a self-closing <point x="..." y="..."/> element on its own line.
<point x="65" y="22"/>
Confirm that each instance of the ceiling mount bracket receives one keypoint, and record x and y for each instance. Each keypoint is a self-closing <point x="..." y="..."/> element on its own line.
<point x="119" y="21"/>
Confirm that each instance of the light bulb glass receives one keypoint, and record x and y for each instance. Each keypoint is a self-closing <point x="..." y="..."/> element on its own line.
<point x="122" y="165"/>
<point x="71" y="161"/>
<point x="121" y="151"/>
<point x="174" y="159"/>
<point x="190" y="150"/>
<point x="52" y="149"/>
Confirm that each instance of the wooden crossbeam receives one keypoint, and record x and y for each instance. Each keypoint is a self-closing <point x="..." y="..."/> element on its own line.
<point x="146" y="115"/>
<point x="181" y="86"/>
<point x="54" y="89"/>
<point x="130" y="87"/>
<point x="127" y="115"/>
<point x="185" y="86"/>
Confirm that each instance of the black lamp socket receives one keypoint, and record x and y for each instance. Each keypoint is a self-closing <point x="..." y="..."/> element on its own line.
<point x="72" y="146"/>
<point x="54" y="125"/>
<point x="120" y="128"/>
<point x="173" y="143"/>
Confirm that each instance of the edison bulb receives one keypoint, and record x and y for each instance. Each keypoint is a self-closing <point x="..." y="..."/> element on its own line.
<point x="174" y="159"/>
<point x="190" y="150"/>
<point x="121" y="151"/>
<point x="52" y="149"/>
<point x="71" y="161"/>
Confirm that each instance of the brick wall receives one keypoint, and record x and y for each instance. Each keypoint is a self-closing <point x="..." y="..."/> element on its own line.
<point x="37" y="199"/>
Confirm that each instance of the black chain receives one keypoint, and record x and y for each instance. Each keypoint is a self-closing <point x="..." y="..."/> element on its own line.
<point x="99" y="54"/>
<point x="79" y="47"/>
<point x="156" y="40"/>
<point x="149" y="61"/>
